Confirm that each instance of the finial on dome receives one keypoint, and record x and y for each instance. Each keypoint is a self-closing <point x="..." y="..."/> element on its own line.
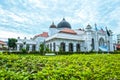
<point x="63" y="18"/>
<point x="53" y="23"/>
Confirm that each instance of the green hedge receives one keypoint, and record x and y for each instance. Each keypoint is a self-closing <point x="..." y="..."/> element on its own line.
<point x="64" y="67"/>
<point x="62" y="53"/>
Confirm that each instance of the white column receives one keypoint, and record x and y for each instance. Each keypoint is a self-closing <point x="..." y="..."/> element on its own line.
<point x="96" y="42"/>
<point x="74" y="47"/>
<point x="111" y="44"/>
<point x="82" y="46"/>
<point x="67" y="47"/>
<point x="30" y="47"/>
<point x="37" y="47"/>
<point x="18" y="47"/>
<point x="57" y="46"/>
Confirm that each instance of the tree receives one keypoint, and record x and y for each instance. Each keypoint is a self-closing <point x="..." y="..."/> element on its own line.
<point x="43" y="48"/>
<point x="12" y="43"/>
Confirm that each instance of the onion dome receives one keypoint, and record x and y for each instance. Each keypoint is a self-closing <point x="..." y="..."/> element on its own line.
<point x="88" y="27"/>
<point x="53" y="25"/>
<point x="64" y="24"/>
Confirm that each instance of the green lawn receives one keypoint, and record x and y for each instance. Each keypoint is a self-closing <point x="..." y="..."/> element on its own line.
<point x="62" y="67"/>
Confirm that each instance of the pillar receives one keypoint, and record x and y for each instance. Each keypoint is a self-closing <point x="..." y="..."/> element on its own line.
<point x="18" y="47"/>
<point x="96" y="42"/>
<point x="57" y="46"/>
<point x="74" y="47"/>
<point x="67" y="47"/>
<point x="37" y="47"/>
<point x="30" y="48"/>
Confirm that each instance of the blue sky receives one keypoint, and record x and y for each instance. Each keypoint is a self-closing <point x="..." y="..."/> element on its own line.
<point x="30" y="17"/>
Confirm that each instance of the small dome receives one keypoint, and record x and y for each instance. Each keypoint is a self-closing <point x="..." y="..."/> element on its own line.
<point x="53" y="25"/>
<point x="64" y="24"/>
<point x="88" y="27"/>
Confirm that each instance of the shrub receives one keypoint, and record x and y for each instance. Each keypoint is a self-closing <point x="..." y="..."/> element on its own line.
<point x="64" y="67"/>
<point x="24" y="50"/>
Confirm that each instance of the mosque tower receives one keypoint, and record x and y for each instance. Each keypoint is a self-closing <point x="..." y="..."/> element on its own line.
<point x="52" y="29"/>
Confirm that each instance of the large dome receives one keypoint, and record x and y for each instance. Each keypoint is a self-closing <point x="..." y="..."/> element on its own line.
<point x="64" y="24"/>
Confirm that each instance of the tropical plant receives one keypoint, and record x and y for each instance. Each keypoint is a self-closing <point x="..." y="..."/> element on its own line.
<point x="24" y="50"/>
<point x="12" y="43"/>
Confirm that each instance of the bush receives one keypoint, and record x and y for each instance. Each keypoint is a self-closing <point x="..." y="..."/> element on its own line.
<point x="1" y="53"/>
<point x="64" y="67"/>
<point x="24" y="50"/>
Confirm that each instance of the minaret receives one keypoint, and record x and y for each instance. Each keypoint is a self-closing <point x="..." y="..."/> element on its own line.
<point x="52" y="29"/>
<point x="96" y="38"/>
<point x="111" y="46"/>
<point x="88" y="40"/>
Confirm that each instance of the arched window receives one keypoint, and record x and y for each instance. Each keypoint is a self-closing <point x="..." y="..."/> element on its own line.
<point x="70" y="47"/>
<point x="93" y="44"/>
<point x="54" y="47"/>
<point x="27" y="47"/>
<point x="62" y="46"/>
<point x="77" y="47"/>
<point x="21" y="46"/>
<point x="101" y="42"/>
<point x="33" y="47"/>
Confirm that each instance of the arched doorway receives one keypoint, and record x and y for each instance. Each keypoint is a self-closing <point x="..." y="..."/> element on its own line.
<point x="62" y="46"/>
<point x="71" y="47"/>
<point x="33" y="47"/>
<point x="21" y="46"/>
<point x="27" y="47"/>
<point x="93" y="44"/>
<point x="101" y="42"/>
<point x="77" y="47"/>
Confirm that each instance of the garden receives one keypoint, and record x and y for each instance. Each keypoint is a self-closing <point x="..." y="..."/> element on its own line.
<point x="59" y="67"/>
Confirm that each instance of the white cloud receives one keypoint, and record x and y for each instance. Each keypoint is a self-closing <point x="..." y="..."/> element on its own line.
<point x="8" y="34"/>
<point x="34" y="16"/>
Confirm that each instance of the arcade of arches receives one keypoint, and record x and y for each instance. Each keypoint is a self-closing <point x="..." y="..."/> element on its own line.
<point x="64" y="47"/>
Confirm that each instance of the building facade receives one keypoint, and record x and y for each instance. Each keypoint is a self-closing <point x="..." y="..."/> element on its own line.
<point x="3" y="45"/>
<point x="63" y="38"/>
<point x="118" y="39"/>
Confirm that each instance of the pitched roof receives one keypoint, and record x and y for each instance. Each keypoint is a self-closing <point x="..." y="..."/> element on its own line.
<point x="44" y="34"/>
<point x="2" y="42"/>
<point x="118" y="46"/>
<point x="67" y="30"/>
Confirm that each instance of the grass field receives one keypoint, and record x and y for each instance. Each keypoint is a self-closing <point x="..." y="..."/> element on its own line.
<point x="62" y="67"/>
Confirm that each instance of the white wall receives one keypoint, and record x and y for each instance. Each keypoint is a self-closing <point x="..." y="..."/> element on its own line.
<point x="58" y="41"/>
<point x="53" y="31"/>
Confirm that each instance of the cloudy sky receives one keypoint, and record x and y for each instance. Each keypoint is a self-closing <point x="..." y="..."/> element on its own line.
<point x="30" y="17"/>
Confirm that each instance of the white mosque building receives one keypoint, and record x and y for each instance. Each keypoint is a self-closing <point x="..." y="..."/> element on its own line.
<point x="63" y="37"/>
